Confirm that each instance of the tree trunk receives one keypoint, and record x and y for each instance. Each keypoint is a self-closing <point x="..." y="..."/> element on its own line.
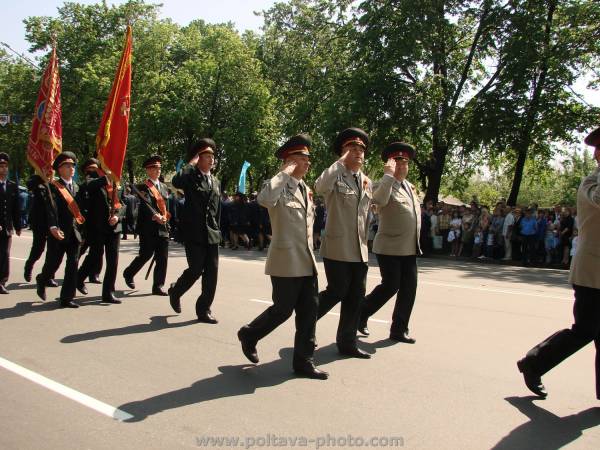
<point x="435" y="170"/>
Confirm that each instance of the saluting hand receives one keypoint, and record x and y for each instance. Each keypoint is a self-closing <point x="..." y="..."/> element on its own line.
<point x="390" y="167"/>
<point x="289" y="167"/>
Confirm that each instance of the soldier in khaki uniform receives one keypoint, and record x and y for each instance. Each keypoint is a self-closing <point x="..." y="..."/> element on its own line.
<point x="396" y="243"/>
<point x="585" y="278"/>
<point x="347" y="194"/>
<point x="290" y="261"/>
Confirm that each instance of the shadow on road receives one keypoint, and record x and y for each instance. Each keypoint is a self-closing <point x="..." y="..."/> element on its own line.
<point x="156" y="323"/>
<point x="546" y="431"/>
<point x="241" y="379"/>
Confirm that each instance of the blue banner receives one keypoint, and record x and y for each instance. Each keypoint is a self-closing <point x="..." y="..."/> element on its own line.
<point x="242" y="182"/>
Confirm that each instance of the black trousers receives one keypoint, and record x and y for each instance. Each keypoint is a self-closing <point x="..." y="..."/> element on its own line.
<point x="96" y="264"/>
<point x="109" y="244"/>
<point x="346" y="283"/>
<point x="203" y="261"/>
<point x="37" y="248"/>
<point x="300" y="294"/>
<point x="151" y="245"/>
<point x="54" y="257"/>
<point x="562" y="344"/>
<point x="398" y="276"/>
<point x="5" y="243"/>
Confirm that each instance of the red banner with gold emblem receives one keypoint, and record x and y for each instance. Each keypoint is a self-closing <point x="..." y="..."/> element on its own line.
<point x="111" y="140"/>
<point x="45" y="141"/>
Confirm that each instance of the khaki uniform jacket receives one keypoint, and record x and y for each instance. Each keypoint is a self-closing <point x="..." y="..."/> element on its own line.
<point x="399" y="218"/>
<point x="346" y="228"/>
<point x="585" y="266"/>
<point x="290" y="253"/>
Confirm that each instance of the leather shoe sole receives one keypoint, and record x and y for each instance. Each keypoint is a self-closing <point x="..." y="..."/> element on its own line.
<point x="311" y="372"/>
<point x="248" y="348"/>
<point x="95" y="280"/>
<point x="405" y="338"/>
<point x="68" y="305"/>
<point x="532" y="381"/>
<point x="41" y="290"/>
<point x="129" y="282"/>
<point x="207" y="318"/>
<point x="174" y="300"/>
<point x="354" y="353"/>
<point x="82" y="288"/>
<point x="51" y="283"/>
<point x="3" y="289"/>
<point x="159" y="292"/>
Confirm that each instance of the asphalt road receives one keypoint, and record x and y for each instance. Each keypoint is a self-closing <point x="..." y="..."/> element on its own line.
<point x="181" y="383"/>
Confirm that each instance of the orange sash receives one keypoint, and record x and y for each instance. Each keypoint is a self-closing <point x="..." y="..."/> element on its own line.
<point x="160" y="201"/>
<point x="71" y="203"/>
<point x="109" y="192"/>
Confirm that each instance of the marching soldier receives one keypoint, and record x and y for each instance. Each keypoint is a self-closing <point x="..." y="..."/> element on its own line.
<point x="152" y="227"/>
<point x="200" y="218"/>
<point x="104" y="227"/>
<point x="396" y="243"/>
<point x="64" y="221"/>
<point x="90" y="170"/>
<point x="585" y="278"/>
<point x="38" y="223"/>
<point x="347" y="194"/>
<point x="10" y="219"/>
<point x="290" y="260"/>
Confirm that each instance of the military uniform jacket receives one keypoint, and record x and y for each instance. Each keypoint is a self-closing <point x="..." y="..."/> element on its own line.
<point x="10" y="215"/>
<point x="290" y="253"/>
<point x="347" y="208"/>
<point x="201" y="213"/>
<point x="399" y="218"/>
<point x="586" y="262"/>
<point x="99" y="210"/>
<point x="37" y="212"/>
<point x="61" y="217"/>
<point x="145" y="225"/>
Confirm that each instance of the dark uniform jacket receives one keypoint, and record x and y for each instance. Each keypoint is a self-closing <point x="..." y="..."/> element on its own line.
<point x="99" y="211"/>
<point x="62" y="217"/>
<point x="38" y="221"/>
<point x="201" y="213"/>
<point x="10" y="216"/>
<point x="145" y="225"/>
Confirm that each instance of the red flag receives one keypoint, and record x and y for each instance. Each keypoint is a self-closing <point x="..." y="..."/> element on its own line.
<point x="45" y="141"/>
<point x="111" y="140"/>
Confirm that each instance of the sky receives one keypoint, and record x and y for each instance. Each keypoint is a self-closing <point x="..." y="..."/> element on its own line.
<point x="240" y="12"/>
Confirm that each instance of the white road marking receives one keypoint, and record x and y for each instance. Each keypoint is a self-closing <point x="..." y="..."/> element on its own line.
<point x="83" y="399"/>
<point x="266" y="302"/>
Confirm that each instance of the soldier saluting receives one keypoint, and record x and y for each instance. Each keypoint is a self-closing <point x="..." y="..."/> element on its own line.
<point x="290" y="260"/>
<point x="347" y="194"/>
<point x="200" y="219"/>
<point x="152" y="228"/>
<point x="65" y="222"/>
<point x="396" y="243"/>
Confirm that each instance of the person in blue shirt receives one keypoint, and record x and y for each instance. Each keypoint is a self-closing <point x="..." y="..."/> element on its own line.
<point x="528" y="228"/>
<point x="542" y="224"/>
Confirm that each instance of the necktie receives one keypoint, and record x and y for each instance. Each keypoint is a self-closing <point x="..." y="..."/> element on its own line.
<point x="70" y="188"/>
<point x="2" y="186"/>
<point x="405" y="187"/>
<point x="303" y="192"/>
<point x="357" y="181"/>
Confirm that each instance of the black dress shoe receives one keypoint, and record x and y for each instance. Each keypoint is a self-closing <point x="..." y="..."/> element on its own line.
<point x="3" y="289"/>
<point x="402" y="337"/>
<point x="40" y="289"/>
<point x="158" y="291"/>
<point x="174" y="300"/>
<point x="68" y="304"/>
<point x="354" y="352"/>
<point x="248" y="347"/>
<point x="207" y="317"/>
<point x="27" y="273"/>
<point x="110" y="299"/>
<point x="532" y="380"/>
<point x="81" y="288"/>
<point x="51" y="283"/>
<point x="129" y="281"/>
<point x="94" y="279"/>
<point x="362" y="327"/>
<point x="310" y="371"/>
